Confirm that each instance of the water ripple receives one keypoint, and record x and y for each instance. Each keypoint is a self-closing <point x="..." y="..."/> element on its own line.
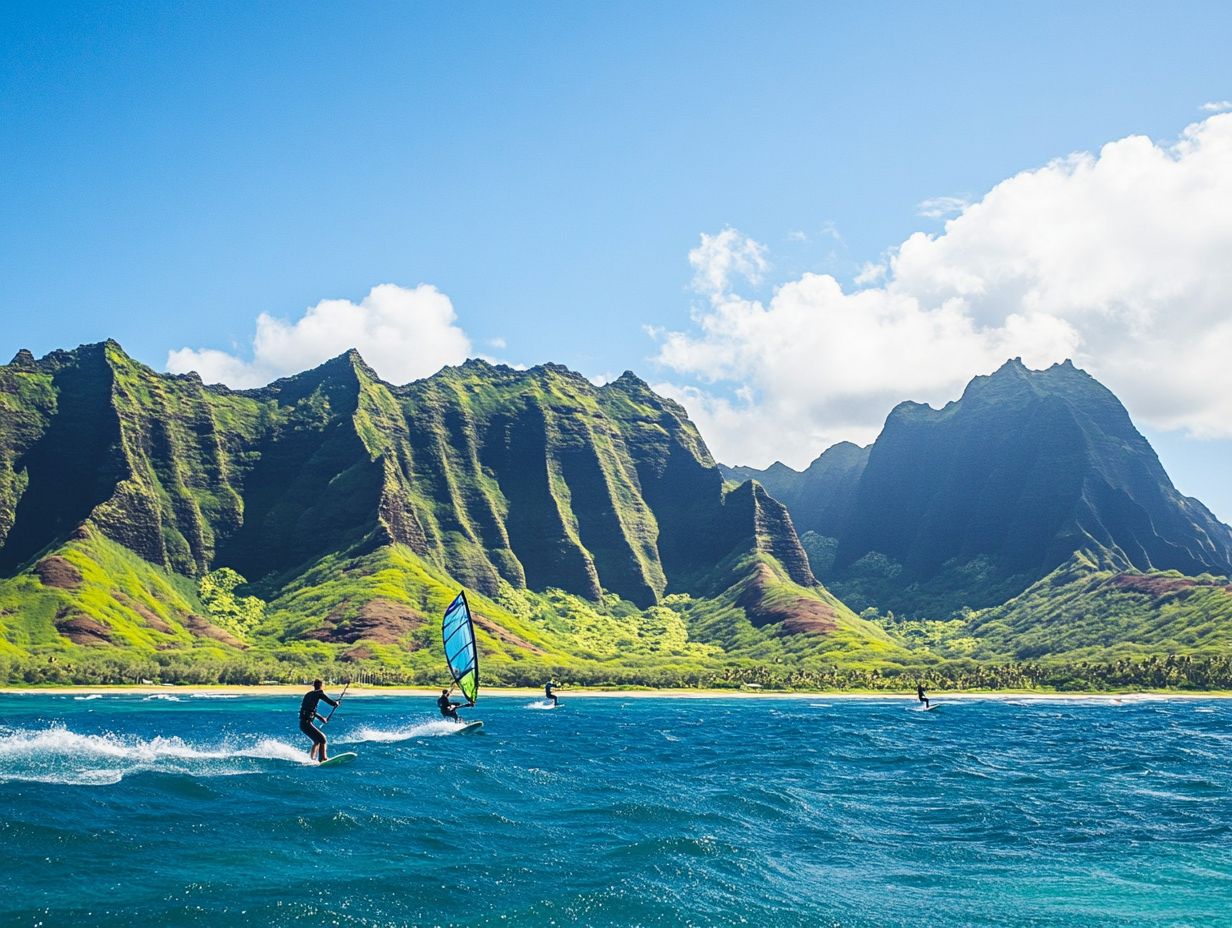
<point x="617" y="813"/>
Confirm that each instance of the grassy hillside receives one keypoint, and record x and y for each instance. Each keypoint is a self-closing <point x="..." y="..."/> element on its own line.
<point x="1087" y="611"/>
<point x="94" y="611"/>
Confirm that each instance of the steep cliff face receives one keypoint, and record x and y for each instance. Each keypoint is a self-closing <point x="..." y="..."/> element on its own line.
<point x="969" y="504"/>
<point x="1026" y="468"/>
<point x="821" y="497"/>
<point x="93" y="439"/>
<point x="536" y="479"/>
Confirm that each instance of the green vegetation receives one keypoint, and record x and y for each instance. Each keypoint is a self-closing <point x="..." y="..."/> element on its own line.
<point x="1090" y="611"/>
<point x="239" y="614"/>
<point x="592" y="529"/>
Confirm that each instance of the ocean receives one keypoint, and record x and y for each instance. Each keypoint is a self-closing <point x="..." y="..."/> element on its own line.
<point x="201" y="810"/>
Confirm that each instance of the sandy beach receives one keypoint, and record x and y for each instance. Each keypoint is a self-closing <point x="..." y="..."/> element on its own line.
<point x="356" y="691"/>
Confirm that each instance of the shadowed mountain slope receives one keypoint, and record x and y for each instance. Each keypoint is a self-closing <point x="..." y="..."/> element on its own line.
<point x="969" y="504"/>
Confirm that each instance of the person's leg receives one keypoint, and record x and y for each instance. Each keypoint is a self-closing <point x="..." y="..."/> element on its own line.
<point x="318" y="740"/>
<point x="308" y="730"/>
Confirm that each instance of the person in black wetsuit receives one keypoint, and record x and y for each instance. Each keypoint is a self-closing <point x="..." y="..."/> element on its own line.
<point x="548" y="692"/>
<point x="919" y="693"/>
<point x="308" y="714"/>
<point x="449" y="710"/>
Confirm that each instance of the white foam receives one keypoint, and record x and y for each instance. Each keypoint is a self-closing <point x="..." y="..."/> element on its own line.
<point x="88" y="698"/>
<point x="432" y="729"/>
<point x="542" y="704"/>
<point x="162" y="696"/>
<point x="58" y="755"/>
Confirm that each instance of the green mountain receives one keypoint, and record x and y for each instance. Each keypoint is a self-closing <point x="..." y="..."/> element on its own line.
<point x="821" y="498"/>
<point x="590" y="523"/>
<point x="154" y="527"/>
<point x="972" y="504"/>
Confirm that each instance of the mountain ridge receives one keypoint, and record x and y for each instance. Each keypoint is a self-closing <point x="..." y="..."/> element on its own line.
<point x="507" y="482"/>
<point x="1004" y="484"/>
<point x="153" y="526"/>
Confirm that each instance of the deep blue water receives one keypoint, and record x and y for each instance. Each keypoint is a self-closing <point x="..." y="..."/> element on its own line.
<point x="129" y="811"/>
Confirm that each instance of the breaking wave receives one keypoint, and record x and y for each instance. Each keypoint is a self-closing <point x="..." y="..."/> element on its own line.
<point x="432" y="729"/>
<point x="58" y="755"/>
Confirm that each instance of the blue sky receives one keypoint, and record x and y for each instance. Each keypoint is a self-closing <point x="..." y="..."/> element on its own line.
<point x="170" y="172"/>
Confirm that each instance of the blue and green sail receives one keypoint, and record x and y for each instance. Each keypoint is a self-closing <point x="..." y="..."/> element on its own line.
<point x="458" y="635"/>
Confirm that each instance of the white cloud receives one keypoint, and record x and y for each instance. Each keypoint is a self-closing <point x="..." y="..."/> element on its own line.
<point x="498" y="343"/>
<point x="941" y="207"/>
<point x="721" y="258"/>
<point x="1217" y="106"/>
<point x="1118" y="259"/>
<point x="404" y="334"/>
<point x="871" y="273"/>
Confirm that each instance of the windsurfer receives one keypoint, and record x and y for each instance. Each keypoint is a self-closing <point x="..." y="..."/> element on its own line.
<point x="919" y="693"/>
<point x="449" y="709"/>
<point x="548" y="692"/>
<point x="308" y="715"/>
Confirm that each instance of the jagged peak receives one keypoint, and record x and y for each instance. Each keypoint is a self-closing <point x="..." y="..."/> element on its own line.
<point x="628" y="380"/>
<point x="107" y="352"/>
<point x="85" y="349"/>
<point x="359" y="365"/>
<point x="1062" y="378"/>
<point x="484" y="367"/>
<point x="1016" y="368"/>
<point x="348" y="368"/>
<point x="559" y="370"/>
<point x="1013" y="375"/>
<point x="471" y="367"/>
<point x="1012" y="366"/>
<point x="842" y="449"/>
<point x="779" y="467"/>
<point x="841" y="453"/>
<point x="23" y="360"/>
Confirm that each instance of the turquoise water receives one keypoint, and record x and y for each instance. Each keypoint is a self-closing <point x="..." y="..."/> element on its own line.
<point x="190" y="811"/>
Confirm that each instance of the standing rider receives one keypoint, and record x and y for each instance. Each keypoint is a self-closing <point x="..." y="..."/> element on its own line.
<point x="449" y="710"/>
<point x="548" y="692"/>
<point x="308" y="714"/>
<point x="919" y="693"/>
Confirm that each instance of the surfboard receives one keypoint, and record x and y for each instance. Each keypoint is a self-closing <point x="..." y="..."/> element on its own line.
<point x="469" y="727"/>
<point x="929" y="708"/>
<point x="543" y="704"/>
<point x="345" y="758"/>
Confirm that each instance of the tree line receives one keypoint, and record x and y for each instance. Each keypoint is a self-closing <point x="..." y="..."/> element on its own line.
<point x="1176" y="672"/>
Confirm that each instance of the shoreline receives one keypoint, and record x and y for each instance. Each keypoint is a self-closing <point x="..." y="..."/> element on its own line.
<point x="285" y="690"/>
